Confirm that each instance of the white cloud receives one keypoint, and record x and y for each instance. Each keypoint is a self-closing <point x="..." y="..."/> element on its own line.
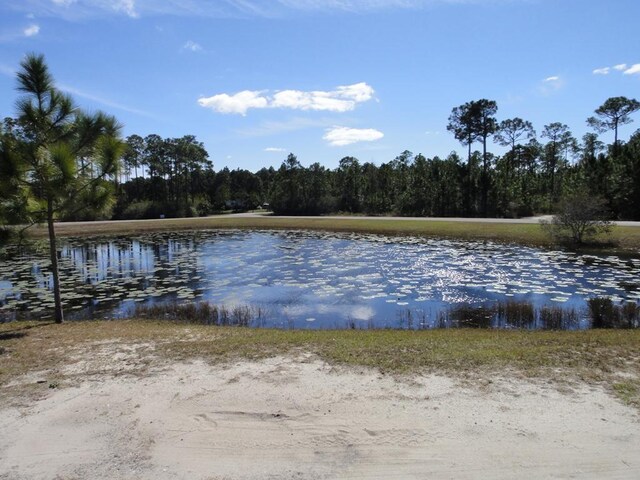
<point x="358" y="92"/>
<point x="341" y="136"/>
<point x="31" y="30"/>
<point x="64" y="3"/>
<point x="633" y="69"/>
<point x="275" y="149"/>
<point x="298" y="100"/>
<point x="621" y="67"/>
<point x="342" y="99"/>
<point x="238" y="103"/>
<point x="126" y="6"/>
<point x="551" y="85"/>
<point x="192" y="46"/>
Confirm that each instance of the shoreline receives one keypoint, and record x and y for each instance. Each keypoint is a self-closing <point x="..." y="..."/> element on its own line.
<point x="624" y="238"/>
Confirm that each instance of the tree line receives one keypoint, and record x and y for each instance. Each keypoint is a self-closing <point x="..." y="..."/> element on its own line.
<point x="534" y="174"/>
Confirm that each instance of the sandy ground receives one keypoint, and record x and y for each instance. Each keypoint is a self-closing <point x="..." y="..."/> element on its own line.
<point x="301" y="418"/>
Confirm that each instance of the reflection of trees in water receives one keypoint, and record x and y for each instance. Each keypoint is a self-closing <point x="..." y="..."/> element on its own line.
<point x="101" y="273"/>
<point x="98" y="261"/>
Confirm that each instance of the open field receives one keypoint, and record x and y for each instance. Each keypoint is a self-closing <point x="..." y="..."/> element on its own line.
<point x="622" y="236"/>
<point x="158" y="400"/>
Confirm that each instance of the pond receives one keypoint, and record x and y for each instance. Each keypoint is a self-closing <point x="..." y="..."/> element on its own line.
<point x="301" y="279"/>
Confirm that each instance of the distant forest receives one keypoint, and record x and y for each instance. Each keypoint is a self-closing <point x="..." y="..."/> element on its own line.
<point x="175" y="178"/>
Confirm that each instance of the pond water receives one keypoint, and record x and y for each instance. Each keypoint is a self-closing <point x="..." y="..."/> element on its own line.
<point x="310" y="279"/>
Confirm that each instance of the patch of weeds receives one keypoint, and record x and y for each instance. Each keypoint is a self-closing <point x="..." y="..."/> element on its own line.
<point x="605" y="314"/>
<point x="558" y="318"/>
<point x="628" y="392"/>
<point x="203" y="313"/>
<point x="466" y="316"/>
<point x="516" y="314"/>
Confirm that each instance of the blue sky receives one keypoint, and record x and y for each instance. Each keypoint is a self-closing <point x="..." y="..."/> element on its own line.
<point x="255" y="80"/>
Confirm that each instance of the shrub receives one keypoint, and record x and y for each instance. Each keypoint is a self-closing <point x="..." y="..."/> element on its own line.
<point x="580" y="217"/>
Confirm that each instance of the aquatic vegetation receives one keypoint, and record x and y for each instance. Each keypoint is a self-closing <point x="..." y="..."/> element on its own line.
<point x="504" y="315"/>
<point x="557" y="318"/>
<point x="202" y="313"/>
<point x="605" y="314"/>
<point x="312" y="280"/>
<point x="516" y="314"/>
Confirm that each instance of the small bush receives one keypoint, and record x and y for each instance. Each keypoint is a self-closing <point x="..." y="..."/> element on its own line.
<point x="580" y="218"/>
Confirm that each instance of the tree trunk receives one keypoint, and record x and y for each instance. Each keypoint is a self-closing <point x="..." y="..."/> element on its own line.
<point x="484" y="176"/>
<point x="615" y="140"/>
<point x="59" y="314"/>
<point x="470" y="193"/>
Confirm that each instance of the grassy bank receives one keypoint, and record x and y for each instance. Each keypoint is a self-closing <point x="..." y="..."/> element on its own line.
<point x="608" y="357"/>
<point x="531" y="234"/>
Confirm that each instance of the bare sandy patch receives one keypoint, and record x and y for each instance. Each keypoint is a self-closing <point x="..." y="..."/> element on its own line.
<point x="299" y="417"/>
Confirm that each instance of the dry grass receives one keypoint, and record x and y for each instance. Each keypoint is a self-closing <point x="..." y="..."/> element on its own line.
<point x="64" y="354"/>
<point x="532" y="234"/>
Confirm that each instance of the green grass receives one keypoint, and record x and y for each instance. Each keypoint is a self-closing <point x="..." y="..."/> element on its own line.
<point x="628" y="391"/>
<point x="594" y="356"/>
<point x="531" y="234"/>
